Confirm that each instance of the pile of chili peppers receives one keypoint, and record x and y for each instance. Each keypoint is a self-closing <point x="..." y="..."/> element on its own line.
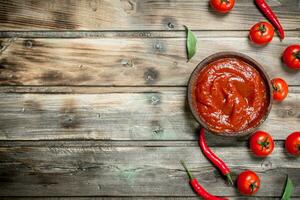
<point x="216" y="161"/>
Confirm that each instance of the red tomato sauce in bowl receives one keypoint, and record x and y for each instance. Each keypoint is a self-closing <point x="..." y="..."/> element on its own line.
<point x="230" y="95"/>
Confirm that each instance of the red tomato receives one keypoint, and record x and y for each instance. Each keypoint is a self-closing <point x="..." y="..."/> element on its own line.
<point x="261" y="33"/>
<point x="261" y="144"/>
<point x="222" y="6"/>
<point x="248" y="182"/>
<point x="292" y="144"/>
<point x="291" y="56"/>
<point x="281" y="89"/>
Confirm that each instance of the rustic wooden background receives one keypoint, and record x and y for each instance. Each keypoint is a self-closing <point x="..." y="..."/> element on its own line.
<point x="92" y="98"/>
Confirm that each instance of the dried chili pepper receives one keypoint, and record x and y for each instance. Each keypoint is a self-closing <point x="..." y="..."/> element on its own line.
<point x="267" y="11"/>
<point x="213" y="158"/>
<point x="198" y="188"/>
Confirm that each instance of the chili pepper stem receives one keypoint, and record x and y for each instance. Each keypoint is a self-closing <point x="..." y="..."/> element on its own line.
<point x="187" y="170"/>
<point x="229" y="179"/>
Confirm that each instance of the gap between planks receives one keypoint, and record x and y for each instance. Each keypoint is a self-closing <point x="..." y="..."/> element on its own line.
<point x="133" y="34"/>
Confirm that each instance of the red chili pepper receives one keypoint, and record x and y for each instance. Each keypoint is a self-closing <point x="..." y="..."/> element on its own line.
<point x="213" y="158"/>
<point x="267" y="11"/>
<point x="198" y="188"/>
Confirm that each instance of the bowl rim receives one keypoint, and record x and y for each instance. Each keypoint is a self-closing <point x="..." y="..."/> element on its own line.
<point x="248" y="60"/>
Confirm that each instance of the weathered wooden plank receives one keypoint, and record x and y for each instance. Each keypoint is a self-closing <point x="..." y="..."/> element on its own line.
<point x="127" y="198"/>
<point x="92" y="90"/>
<point x="130" y="171"/>
<point x="149" y="115"/>
<point x="124" y="62"/>
<point x="119" y="143"/>
<point x="137" y="15"/>
<point x="97" y="90"/>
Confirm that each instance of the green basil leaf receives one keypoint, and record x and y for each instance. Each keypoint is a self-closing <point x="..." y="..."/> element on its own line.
<point x="191" y="43"/>
<point x="288" y="189"/>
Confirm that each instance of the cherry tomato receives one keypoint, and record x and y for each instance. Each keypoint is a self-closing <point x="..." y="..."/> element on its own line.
<point x="248" y="182"/>
<point x="261" y="33"/>
<point x="261" y="144"/>
<point x="292" y="144"/>
<point x="281" y="89"/>
<point x="222" y="6"/>
<point x="291" y="56"/>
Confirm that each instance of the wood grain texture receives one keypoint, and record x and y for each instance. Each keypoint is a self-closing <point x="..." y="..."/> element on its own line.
<point x="142" y="115"/>
<point x="62" y="139"/>
<point x="129" y="198"/>
<point x="137" y="15"/>
<point x="133" y="171"/>
<point x="131" y="34"/>
<point x="124" y="62"/>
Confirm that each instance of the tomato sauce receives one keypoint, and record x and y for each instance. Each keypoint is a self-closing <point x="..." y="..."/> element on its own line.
<point x="231" y="95"/>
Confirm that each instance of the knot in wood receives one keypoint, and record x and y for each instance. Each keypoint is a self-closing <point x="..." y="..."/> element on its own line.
<point x="155" y="99"/>
<point x="28" y="43"/>
<point x="151" y="76"/>
<point x="157" y="46"/>
<point x="70" y="120"/>
<point x="266" y="164"/>
<point x="171" y="25"/>
<point x="129" y="6"/>
<point x="291" y="113"/>
<point x="158" y="130"/>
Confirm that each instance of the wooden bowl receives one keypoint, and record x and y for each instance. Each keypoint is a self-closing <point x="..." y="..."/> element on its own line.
<point x="193" y="80"/>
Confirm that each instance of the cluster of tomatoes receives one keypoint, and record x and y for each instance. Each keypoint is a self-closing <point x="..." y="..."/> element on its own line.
<point x="262" y="145"/>
<point x="262" y="33"/>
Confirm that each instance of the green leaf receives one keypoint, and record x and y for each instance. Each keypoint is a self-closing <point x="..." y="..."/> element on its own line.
<point x="191" y="43"/>
<point x="288" y="189"/>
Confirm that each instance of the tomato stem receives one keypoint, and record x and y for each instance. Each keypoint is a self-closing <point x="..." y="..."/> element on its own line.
<point x="225" y="1"/>
<point x="262" y="28"/>
<point x="275" y="88"/>
<point x="187" y="170"/>
<point x="297" y="55"/>
<point x="264" y="144"/>
<point x="253" y="186"/>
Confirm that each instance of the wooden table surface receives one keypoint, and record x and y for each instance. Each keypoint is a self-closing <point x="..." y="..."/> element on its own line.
<point x="92" y="98"/>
